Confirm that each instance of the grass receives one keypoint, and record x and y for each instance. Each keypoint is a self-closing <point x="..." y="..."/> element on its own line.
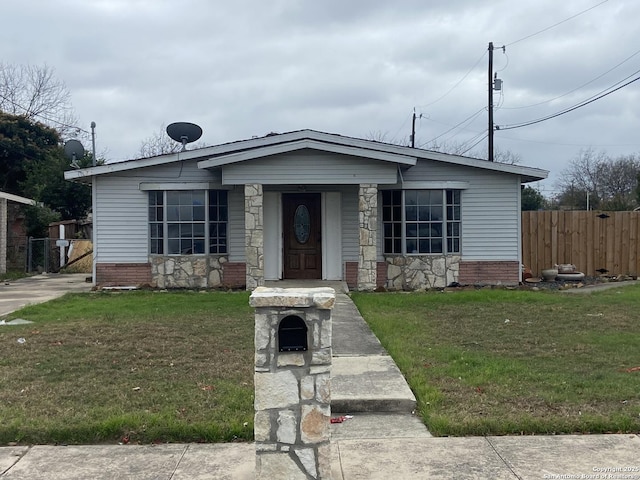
<point x="10" y="275"/>
<point x="515" y="362"/>
<point x="129" y="367"/>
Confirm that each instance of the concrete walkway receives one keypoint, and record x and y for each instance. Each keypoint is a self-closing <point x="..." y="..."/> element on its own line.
<point x="383" y="439"/>
<point x="16" y="294"/>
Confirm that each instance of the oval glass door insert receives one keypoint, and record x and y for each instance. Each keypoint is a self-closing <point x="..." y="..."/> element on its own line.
<point x="302" y="224"/>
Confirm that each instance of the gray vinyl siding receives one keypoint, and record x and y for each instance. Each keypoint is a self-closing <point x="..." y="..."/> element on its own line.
<point x="235" y="229"/>
<point x="310" y="167"/>
<point x="490" y="208"/>
<point x="122" y="218"/>
<point x="350" y="225"/>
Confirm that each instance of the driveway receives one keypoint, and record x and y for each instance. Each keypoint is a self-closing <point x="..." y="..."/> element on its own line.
<point x="39" y="288"/>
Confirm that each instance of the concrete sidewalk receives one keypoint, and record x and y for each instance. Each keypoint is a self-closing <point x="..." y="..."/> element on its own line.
<point x="383" y="439"/>
<point x="524" y="458"/>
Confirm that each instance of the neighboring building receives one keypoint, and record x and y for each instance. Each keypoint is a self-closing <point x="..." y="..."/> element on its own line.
<point x="307" y="205"/>
<point x="12" y="231"/>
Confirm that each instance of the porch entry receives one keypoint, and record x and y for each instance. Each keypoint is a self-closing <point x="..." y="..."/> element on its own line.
<point x="302" y="235"/>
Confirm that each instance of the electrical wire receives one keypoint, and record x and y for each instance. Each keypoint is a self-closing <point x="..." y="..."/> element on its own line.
<point x="475" y="144"/>
<point x="468" y="119"/>
<point x="555" y="24"/>
<point x="455" y="85"/>
<point x="577" y="88"/>
<point x="575" y="107"/>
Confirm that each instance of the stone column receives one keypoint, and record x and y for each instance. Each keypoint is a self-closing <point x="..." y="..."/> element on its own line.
<point x="254" y="237"/>
<point x="292" y="382"/>
<point x="368" y="222"/>
<point x="3" y="235"/>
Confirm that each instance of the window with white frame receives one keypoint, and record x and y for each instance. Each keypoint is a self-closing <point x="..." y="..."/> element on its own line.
<point x="421" y="221"/>
<point x="185" y="222"/>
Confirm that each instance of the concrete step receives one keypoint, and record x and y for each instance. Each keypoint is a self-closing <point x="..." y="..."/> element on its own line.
<point x="378" y="425"/>
<point x="370" y="383"/>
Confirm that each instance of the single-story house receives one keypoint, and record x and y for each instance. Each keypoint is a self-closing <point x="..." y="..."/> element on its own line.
<point x="307" y="205"/>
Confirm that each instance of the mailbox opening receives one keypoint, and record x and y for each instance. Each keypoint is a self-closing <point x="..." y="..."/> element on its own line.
<point x="292" y="334"/>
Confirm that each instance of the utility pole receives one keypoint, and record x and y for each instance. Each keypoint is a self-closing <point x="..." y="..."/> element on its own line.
<point x="490" y="105"/>
<point x="413" y="130"/>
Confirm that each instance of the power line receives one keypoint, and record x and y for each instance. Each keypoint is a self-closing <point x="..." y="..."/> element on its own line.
<point x="575" y="107"/>
<point x="577" y="88"/>
<point x="469" y="118"/>
<point x="455" y="85"/>
<point x="555" y="24"/>
<point x="475" y="144"/>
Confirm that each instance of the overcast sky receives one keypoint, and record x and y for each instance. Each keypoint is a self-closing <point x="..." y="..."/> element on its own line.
<point x="245" y="68"/>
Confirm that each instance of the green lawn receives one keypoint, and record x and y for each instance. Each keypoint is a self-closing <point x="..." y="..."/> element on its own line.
<point x="511" y="362"/>
<point x="131" y="367"/>
<point x="178" y="366"/>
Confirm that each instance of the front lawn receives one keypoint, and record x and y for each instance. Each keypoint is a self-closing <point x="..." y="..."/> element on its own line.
<point x="512" y="362"/>
<point x="129" y="367"/>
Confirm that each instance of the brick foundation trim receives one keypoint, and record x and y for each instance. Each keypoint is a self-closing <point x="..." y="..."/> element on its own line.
<point x="120" y="274"/>
<point x="351" y="274"/>
<point x="489" y="273"/>
<point x="234" y="274"/>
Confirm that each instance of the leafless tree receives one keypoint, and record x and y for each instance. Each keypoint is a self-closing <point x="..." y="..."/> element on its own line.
<point x="36" y="93"/>
<point x="160" y="143"/>
<point x="610" y="182"/>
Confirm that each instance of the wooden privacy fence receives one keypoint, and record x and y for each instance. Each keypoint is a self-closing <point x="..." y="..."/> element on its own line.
<point x="589" y="240"/>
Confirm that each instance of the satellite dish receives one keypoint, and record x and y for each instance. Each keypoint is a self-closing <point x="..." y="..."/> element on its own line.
<point x="184" y="132"/>
<point x="74" y="151"/>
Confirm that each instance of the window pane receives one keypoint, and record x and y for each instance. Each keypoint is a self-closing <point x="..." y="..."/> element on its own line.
<point x="397" y="213"/>
<point x="198" y="213"/>
<point x="197" y="197"/>
<point x="397" y="245"/>
<point x="436" y="229"/>
<point x="411" y="246"/>
<point x="386" y="214"/>
<point x="412" y="230"/>
<point x="173" y="198"/>
<point x="173" y="246"/>
<point x="388" y="245"/>
<point x="213" y="214"/>
<point x="411" y="214"/>
<point x="436" y="245"/>
<point x="185" y="197"/>
<point x="386" y="197"/>
<point x="186" y="230"/>
<point x="186" y="214"/>
<point x="436" y="197"/>
<point x="425" y="246"/>
<point x="410" y="197"/>
<point x="198" y="246"/>
<point x="198" y="230"/>
<point x="397" y="197"/>
<point x="424" y="230"/>
<point x="186" y="247"/>
<point x="173" y="230"/>
<point x="397" y="229"/>
<point x="222" y="230"/>
<point x="388" y="230"/>
<point x="424" y="197"/>
<point x="436" y="213"/>
<point x="173" y="214"/>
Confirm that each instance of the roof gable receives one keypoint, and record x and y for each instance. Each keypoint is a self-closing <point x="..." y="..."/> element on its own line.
<point x="243" y="150"/>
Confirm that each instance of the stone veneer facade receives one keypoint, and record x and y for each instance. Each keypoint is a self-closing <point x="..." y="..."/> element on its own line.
<point x="421" y="272"/>
<point x="368" y="234"/>
<point x="187" y="271"/>
<point x="292" y="389"/>
<point x="254" y="235"/>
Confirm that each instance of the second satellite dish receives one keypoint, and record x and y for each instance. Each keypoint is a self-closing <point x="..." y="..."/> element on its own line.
<point x="74" y="151"/>
<point x="184" y="132"/>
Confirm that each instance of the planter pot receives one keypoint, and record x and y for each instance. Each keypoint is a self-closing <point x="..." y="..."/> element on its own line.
<point x="549" y="274"/>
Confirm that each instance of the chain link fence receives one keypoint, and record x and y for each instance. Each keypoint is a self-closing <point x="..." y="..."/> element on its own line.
<point x="43" y="255"/>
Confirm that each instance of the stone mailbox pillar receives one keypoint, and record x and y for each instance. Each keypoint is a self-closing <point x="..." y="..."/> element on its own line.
<point x="292" y="382"/>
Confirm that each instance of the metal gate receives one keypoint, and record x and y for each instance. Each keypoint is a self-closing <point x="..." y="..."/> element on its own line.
<point x="43" y="255"/>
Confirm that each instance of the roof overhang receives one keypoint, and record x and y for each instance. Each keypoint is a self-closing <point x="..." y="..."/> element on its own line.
<point x="17" y="198"/>
<point x="233" y="152"/>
